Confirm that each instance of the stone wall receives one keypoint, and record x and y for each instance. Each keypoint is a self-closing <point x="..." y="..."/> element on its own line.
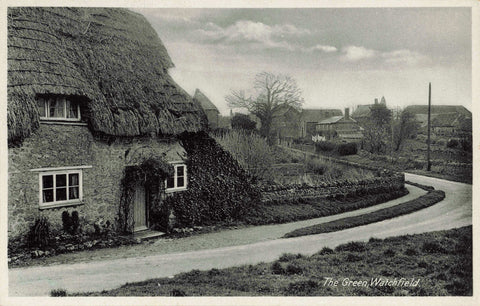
<point x="339" y="188"/>
<point x="55" y="145"/>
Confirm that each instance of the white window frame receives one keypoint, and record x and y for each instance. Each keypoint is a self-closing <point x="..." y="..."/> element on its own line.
<point x="45" y="115"/>
<point x="175" y="177"/>
<point x="78" y="201"/>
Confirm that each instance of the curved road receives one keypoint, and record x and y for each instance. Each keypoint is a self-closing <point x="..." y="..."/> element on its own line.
<point x="454" y="211"/>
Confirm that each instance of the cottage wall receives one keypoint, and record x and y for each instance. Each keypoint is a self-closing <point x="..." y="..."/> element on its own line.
<point x="54" y="145"/>
<point x="212" y="117"/>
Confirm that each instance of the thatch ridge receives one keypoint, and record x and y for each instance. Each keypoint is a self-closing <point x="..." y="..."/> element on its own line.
<point x="112" y="57"/>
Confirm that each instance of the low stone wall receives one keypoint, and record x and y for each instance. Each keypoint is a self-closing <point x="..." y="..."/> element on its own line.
<point x="343" y="188"/>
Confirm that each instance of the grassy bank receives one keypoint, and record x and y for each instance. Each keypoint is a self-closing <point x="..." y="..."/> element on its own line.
<point x="424" y="201"/>
<point x="314" y="208"/>
<point x="441" y="262"/>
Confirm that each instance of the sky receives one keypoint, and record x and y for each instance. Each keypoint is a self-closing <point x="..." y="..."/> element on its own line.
<point x="339" y="57"/>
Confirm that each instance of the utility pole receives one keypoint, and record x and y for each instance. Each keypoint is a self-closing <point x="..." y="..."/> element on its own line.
<point x="429" y="166"/>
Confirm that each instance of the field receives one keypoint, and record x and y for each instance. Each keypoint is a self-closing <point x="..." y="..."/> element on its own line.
<point x="439" y="263"/>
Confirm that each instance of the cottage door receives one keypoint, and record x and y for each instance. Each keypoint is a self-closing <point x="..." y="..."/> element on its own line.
<point x="140" y="208"/>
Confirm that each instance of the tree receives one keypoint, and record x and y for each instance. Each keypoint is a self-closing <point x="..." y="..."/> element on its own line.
<point x="377" y="129"/>
<point x="403" y="128"/>
<point x="243" y="122"/>
<point x="271" y="93"/>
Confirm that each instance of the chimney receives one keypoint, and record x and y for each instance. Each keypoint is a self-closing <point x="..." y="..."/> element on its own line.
<point x="376" y="101"/>
<point x="347" y="113"/>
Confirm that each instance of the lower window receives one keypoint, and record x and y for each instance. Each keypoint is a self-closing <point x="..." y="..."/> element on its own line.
<point x="60" y="187"/>
<point x="177" y="181"/>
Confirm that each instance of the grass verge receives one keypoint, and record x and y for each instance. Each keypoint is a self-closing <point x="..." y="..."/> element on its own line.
<point x="313" y="208"/>
<point x="441" y="263"/>
<point x="424" y="201"/>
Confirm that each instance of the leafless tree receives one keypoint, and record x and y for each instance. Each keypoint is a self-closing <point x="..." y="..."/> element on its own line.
<point x="271" y="94"/>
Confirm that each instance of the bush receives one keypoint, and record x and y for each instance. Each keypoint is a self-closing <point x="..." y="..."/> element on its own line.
<point x="353" y="257"/>
<point x="325" y="146"/>
<point x="58" y="292"/>
<point x="39" y="233"/>
<point x="243" y="122"/>
<point x="432" y="247"/>
<point x="277" y="268"/>
<point x="293" y="269"/>
<point x="177" y="292"/>
<point x="353" y="246"/>
<point x="410" y="252"/>
<point x="301" y="287"/>
<point x="389" y="253"/>
<point x="288" y="257"/>
<point x="347" y="149"/>
<point x="452" y="143"/>
<point x="325" y="251"/>
<point x="70" y="224"/>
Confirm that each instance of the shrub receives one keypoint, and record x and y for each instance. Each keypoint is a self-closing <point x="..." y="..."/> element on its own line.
<point x="293" y="269"/>
<point x="177" y="292"/>
<point x="58" y="292"/>
<point x="277" y="268"/>
<point x="347" y="149"/>
<point x="353" y="257"/>
<point x="389" y="253"/>
<point x="287" y="257"/>
<point x="373" y="240"/>
<point x="39" y="233"/>
<point x="459" y="287"/>
<point x="325" y="251"/>
<point x="410" y="252"/>
<point x="301" y="287"/>
<point x="432" y="247"/>
<point x="316" y="166"/>
<point x="71" y="223"/>
<point x="452" y="143"/>
<point x="243" y="122"/>
<point x="353" y="246"/>
<point x="325" y="146"/>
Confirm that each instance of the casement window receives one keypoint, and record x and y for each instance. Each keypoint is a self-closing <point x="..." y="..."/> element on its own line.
<point x="59" y="188"/>
<point x="178" y="180"/>
<point x="58" y="108"/>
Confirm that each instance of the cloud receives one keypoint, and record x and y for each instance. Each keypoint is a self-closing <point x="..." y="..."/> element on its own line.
<point x="256" y="34"/>
<point x="404" y="57"/>
<point x="322" y="48"/>
<point x="355" y="53"/>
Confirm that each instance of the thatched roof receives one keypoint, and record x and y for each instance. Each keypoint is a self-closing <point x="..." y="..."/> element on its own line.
<point x="362" y="111"/>
<point x="112" y="58"/>
<point x="439" y="109"/>
<point x="204" y="101"/>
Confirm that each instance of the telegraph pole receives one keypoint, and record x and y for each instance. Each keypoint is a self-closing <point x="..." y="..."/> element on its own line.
<point x="429" y="166"/>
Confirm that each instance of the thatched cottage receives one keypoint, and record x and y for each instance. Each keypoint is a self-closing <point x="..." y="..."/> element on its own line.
<point x="93" y="117"/>
<point x="209" y="108"/>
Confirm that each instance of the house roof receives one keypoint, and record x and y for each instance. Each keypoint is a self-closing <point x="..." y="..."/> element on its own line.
<point x="111" y="57"/>
<point x="437" y="109"/>
<point x="317" y="115"/>
<point x="362" y="111"/>
<point x="445" y="119"/>
<point x="331" y="120"/>
<point x="204" y="101"/>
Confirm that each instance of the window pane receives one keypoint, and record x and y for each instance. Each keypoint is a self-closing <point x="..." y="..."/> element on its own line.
<point x="72" y="109"/>
<point x="170" y="182"/>
<point x="57" y="108"/>
<point x="48" y="196"/>
<point x="180" y="182"/>
<point x="180" y="170"/>
<point x="41" y="107"/>
<point x="73" y="179"/>
<point x="47" y="181"/>
<point x="73" y="193"/>
<point x="61" y="194"/>
<point x="61" y="180"/>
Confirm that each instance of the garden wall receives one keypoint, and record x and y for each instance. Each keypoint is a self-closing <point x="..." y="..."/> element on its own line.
<point x="341" y="188"/>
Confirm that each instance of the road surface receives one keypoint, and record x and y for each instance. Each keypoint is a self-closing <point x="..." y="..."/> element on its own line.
<point x="454" y="211"/>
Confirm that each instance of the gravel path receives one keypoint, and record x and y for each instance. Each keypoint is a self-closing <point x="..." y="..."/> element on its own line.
<point x="242" y="246"/>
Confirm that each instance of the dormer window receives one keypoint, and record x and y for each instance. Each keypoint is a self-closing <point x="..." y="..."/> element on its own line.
<point x="58" y="108"/>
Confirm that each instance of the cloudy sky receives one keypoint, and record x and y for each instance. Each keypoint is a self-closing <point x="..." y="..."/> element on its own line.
<point x="340" y="57"/>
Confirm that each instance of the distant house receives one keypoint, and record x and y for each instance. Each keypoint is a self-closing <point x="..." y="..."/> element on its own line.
<point x="343" y="127"/>
<point x="445" y="119"/>
<point x="209" y="108"/>
<point x="309" y="118"/>
<point x="363" y="112"/>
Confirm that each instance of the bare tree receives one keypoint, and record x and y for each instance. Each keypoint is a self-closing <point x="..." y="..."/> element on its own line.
<point x="272" y="93"/>
<point x="403" y="128"/>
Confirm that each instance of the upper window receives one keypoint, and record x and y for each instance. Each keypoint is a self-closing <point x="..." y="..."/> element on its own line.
<point x="177" y="181"/>
<point x="60" y="187"/>
<point x="58" y="108"/>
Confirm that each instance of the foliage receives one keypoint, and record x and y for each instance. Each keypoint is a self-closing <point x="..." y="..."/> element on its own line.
<point x="424" y="201"/>
<point x="448" y="273"/>
<point x="325" y="146"/>
<point x="71" y="223"/>
<point x="347" y="149"/>
<point x="243" y="122"/>
<point x="219" y="190"/>
<point x="272" y="93"/>
<point x="377" y="129"/>
<point x="58" y="292"/>
<point x="403" y="128"/>
<point x="250" y="150"/>
<point x="39" y="233"/>
<point x="352" y="246"/>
